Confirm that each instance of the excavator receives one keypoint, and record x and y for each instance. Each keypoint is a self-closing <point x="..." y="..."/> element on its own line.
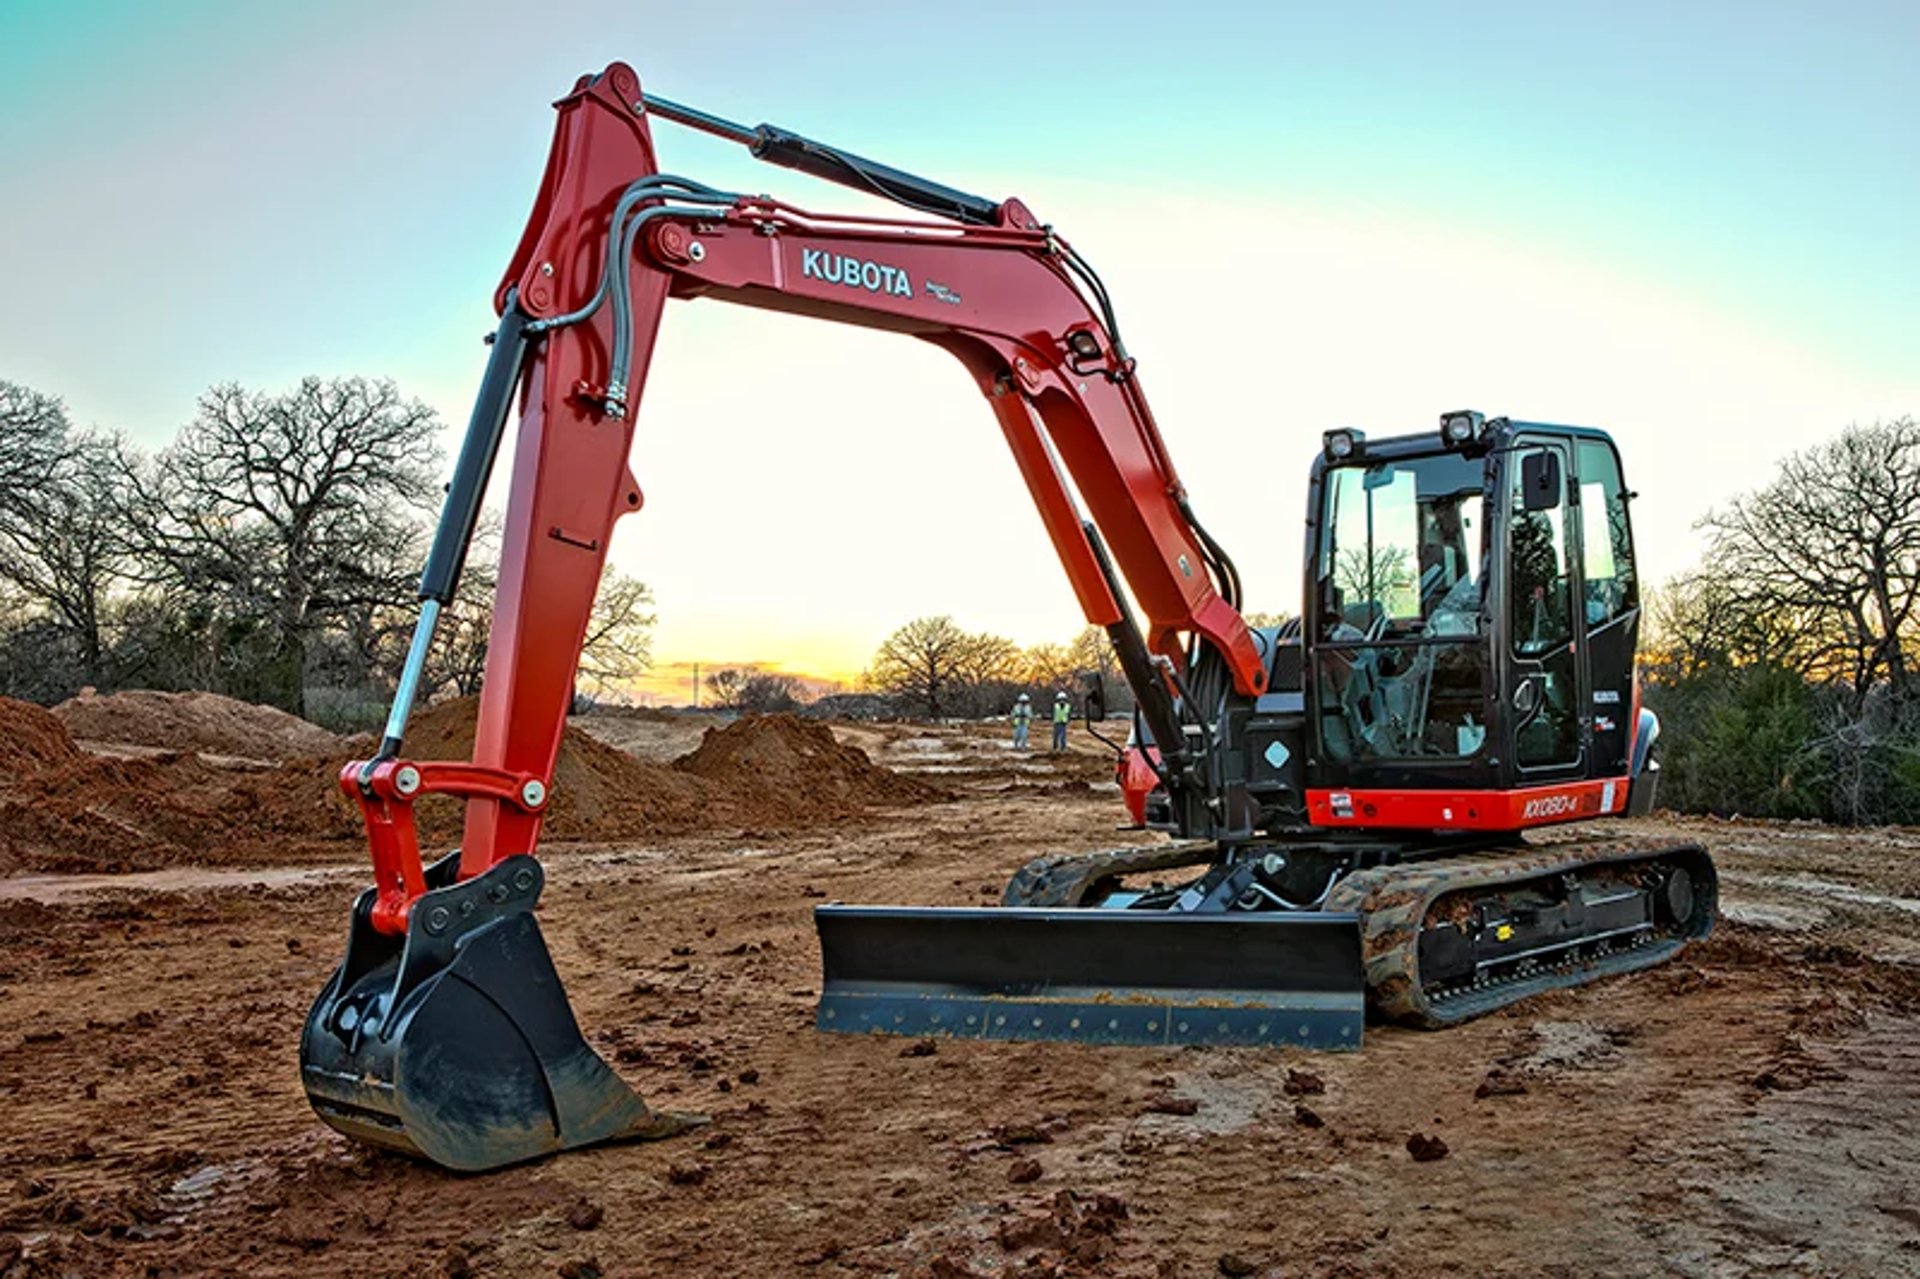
<point x="1347" y="797"/>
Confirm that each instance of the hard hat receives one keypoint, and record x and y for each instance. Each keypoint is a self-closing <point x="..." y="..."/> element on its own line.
<point x="1059" y="697"/>
<point x="1023" y="698"/>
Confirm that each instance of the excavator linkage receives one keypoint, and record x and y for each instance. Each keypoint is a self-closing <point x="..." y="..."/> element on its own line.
<point x="455" y="1043"/>
<point x="1092" y="975"/>
<point x="445" y="1032"/>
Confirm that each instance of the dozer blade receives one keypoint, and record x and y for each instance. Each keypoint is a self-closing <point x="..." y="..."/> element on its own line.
<point x="456" y="1043"/>
<point x="1093" y="975"/>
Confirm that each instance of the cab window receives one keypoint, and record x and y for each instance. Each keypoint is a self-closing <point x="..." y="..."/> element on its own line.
<point x="1611" y="588"/>
<point x="1400" y="554"/>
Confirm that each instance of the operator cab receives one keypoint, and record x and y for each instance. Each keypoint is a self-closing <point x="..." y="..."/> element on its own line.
<point x="1471" y="610"/>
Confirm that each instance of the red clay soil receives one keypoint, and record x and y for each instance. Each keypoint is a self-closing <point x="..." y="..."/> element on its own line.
<point x="31" y="740"/>
<point x="62" y="809"/>
<point x="599" y="793"/>
<point x="204" y="722"/>
<point x="1748" y="1110"/>
<point x="805" y="764"/>
<point x="65" y="810"/>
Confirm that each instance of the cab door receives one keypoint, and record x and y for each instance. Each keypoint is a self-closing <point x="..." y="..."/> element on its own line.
<point x="1538" y="632"/>
<point x="1609" y="602"/>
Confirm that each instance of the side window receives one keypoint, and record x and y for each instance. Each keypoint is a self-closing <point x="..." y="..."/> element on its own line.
<point x="1606" y="537"/>
<point x="1541" y="620"/>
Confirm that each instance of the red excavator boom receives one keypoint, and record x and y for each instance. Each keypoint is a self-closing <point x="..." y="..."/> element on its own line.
<point x="1001" y="298"/>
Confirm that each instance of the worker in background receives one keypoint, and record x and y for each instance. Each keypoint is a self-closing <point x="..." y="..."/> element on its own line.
<point x="1022" y="720"/>
<point x="1062" y="715"/>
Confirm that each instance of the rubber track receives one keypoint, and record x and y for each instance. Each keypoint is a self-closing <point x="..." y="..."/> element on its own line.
<point x="1393" y="902"/>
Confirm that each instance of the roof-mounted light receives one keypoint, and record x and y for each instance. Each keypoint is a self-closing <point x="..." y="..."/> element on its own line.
<point x="1342" y="443"/>
<point x="1461" y="428"/>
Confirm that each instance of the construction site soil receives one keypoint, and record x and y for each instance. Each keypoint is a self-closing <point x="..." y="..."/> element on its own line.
<point x="68" y="809"/>
<point x="1750" y="1109"/>
<point x="203" y="722"/>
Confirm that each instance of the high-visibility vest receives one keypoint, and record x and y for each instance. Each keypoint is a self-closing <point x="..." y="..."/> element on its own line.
<point x="1062" y="712"/>
<point x="1022" y="712"/>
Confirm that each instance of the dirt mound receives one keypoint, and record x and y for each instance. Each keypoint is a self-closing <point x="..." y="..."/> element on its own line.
<point x="646" y="714"/>
<point x="802" y="761"/>
<point x="760" y="773"/>
<point x="32" y="740"/>
<point x="599" y="793"/>
<point x="63" y="809"/>
<point x="194" y="722"/>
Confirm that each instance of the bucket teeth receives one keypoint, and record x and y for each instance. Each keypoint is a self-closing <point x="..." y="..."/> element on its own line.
<point x="456" y="1043"/>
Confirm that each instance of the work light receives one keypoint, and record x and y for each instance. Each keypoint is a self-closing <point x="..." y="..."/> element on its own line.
<point x="1342" y="444"/>
<point x="1459" y="429"/>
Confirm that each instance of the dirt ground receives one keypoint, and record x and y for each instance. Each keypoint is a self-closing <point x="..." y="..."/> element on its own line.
<point x="1751" y="1109"/>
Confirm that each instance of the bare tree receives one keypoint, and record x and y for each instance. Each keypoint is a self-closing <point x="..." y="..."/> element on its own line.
<point x="619" y="643"/>
<point x="291" y="511"/>
<point x="1832" y="545"/>
<point x="768" y="693"/>
<point x="988" y="659"/>
<point x="723" y="688"/>
<point x="1049" y="666"/>
<point x="66" y="545"/>
<point x="1094" y="654"/>
<point x="753" y="692"/>
<point x="1704" y="620"/>
<point x="1385" y="577"/>
<point x="459" y="657"/>
<point x="922" y="663"/>
<point x="33" y="438"/>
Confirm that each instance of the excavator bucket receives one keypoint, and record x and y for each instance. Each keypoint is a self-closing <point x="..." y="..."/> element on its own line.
<point x="455" y="1043"/>
<point x="1093" y="975"/>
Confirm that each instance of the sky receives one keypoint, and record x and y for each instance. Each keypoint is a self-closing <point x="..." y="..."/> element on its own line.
<point x="1691" y="224"/>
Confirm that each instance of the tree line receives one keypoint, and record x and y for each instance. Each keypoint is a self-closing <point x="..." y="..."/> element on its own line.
<point x="270" y="552"/>
<point x="933" y="667"/>
<point x="1786" y="665"/>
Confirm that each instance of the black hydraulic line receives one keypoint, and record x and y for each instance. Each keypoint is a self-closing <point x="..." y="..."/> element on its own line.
<point x="461" y="512"/>
<point x="780" y="146"/>
<point x="1223" y="564"/>
<point x="661" y="186"/>
<point x="1091" y="278"/>
<point x="1136" y="663"/>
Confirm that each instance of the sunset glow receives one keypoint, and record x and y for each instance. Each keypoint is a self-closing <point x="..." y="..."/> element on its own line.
<point x="1303" y="224"/>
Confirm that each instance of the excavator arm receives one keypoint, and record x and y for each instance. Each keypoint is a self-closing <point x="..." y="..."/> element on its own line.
<point x="444" y="1032"/>
<point x="610" y="241"/>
